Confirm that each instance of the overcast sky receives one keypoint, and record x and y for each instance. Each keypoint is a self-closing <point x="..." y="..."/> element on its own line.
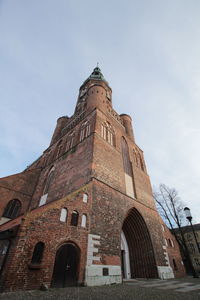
<point x="148" y="51"/>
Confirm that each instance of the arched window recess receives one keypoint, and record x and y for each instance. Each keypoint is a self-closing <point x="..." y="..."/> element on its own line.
<point x="70" y="141"/>
<point x="107" y="133"/>
<point x="12" y="209"/>
<point x="59" y="149"/>
<point x="74" y="218"/>
<point x="37" y="256"/>
<point x="85" y="130"/>
<point x="49" y="179"/>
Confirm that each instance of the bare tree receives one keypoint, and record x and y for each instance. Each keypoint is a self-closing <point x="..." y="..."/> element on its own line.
<point x="170" y="206"/>
<point x="171" y="209"/>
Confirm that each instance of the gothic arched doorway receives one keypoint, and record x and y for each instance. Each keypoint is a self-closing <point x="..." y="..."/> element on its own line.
<point x="66" y="264"/>
<point x="139" y="262"/>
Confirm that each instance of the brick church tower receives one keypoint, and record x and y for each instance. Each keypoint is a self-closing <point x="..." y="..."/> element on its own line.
<point x="83" y="212"/>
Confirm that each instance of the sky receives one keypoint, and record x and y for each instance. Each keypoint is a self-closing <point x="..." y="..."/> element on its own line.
<point x="147" y="50"/>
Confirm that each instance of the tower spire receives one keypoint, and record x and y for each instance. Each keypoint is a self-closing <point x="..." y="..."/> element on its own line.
<point x="96" y="75"/>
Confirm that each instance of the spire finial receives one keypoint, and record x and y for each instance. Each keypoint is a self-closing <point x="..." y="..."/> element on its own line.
<point x="97" y="65"/>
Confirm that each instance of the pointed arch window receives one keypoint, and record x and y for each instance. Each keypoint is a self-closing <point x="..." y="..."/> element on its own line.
<point x="74" y="218"/>
<point x="12" y="209"/>
<point x="107" y="133"/>
<point x="85" y="130"/>
<point x="37" y="253"/>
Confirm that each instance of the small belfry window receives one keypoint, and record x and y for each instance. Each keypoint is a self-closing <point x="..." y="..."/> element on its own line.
<point x="107" y="133"/>
<point x="85" y="130"/>
<point x="74" y="219"/>
<point x="63" y="215"/>
<point x="12" y="209"/>
<point x="38" y="253"/>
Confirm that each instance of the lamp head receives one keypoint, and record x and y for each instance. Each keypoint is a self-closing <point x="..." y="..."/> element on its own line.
<point x="188" y="214"/>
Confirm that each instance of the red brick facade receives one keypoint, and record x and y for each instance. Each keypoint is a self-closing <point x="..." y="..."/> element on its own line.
<point x="93" y="171"/>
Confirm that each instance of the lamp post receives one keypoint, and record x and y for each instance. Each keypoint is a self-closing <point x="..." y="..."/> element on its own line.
<point x="189" y="217"/>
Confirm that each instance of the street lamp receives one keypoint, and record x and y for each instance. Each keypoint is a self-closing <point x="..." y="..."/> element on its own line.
<point x="189" y="217"/>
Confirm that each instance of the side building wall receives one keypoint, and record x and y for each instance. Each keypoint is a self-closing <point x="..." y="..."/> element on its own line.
<point x="44" y="225"/>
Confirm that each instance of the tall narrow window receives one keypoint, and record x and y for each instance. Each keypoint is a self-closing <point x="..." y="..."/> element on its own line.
<point x="38" y="253"/>
<point x="138" y="160"/>
<point x="12" y="209"/>
<point x="84" y="221"/>
<point x="74" y="219"/>
<point x="127" y="169"/>
<point x="85" y="130"/>
<point x="107" y="133"/>
<point x="44" y="196"/>
<point x="126" y="158"/>
<point x="59" y="149"/>
<point x="4" y="246"/>
<point x="63" y="215"/>
<point x="175" y="265"/>
<point x="48" y="181"/>
<point x="70" y="141"/>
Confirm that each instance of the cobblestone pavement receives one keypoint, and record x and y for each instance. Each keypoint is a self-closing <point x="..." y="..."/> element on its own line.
<point x="178" y="289"/>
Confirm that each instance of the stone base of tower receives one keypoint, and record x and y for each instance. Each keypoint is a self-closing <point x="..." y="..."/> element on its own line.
<point x="102" y="274"/>
<point x="165" y="272"/>
<point x="94" y="274"/>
